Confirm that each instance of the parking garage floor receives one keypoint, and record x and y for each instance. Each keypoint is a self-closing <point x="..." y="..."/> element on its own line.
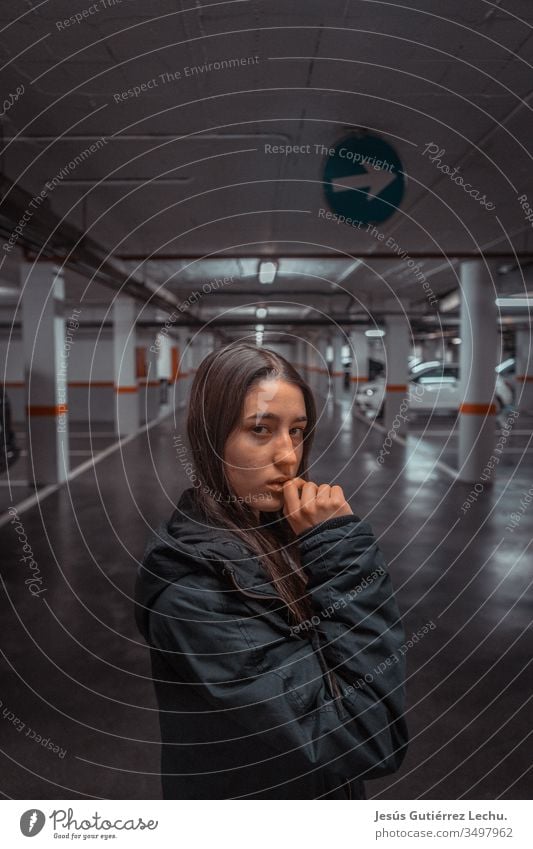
<point x="84" y="442"/>
<point x="76" y="674"/>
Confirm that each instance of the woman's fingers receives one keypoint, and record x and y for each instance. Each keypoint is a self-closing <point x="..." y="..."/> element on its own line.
<point x="324" y="493"/>
<point x="291" y="496"/>
<point x="307" y="503"/>
<point x="308" y="495"/>
<point x="337" y="496"/>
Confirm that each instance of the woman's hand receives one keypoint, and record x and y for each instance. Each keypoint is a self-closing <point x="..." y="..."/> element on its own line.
<point x="313" y="505"/>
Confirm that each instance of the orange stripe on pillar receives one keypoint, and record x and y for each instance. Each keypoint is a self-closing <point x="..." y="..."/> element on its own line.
<point x="478" y="409"/>
<point x="121" y="389"/>
<point x="42" y="410"/>
<point x="359" y="379"/>
<point x="396" y="387"/>
<point x="525" y="378"/>
<point x="175" y="364"/>
<point x="98" y="384"/>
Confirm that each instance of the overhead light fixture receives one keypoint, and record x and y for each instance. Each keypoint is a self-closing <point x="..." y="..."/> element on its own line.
<point x="514" y="302"/>
<point x="456" y="340"/>
<point x="450" y="301"/>
<point x="375" y="332"/>
<point x="261" y="312"/>
<point x="259" y="327"/>
<point x="267" y="271"/>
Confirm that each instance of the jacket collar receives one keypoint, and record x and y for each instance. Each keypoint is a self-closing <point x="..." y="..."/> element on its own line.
<point x="187" y="545"/>
<point x="222" y="546"/>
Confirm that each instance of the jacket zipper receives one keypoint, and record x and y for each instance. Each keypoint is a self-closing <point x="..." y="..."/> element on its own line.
<point x="332" y="684"/>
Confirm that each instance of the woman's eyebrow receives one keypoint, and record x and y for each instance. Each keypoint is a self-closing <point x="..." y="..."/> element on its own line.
<point x="258" y="415"/>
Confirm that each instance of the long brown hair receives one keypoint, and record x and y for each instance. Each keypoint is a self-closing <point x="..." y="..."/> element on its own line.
<point x="216" y="402"/>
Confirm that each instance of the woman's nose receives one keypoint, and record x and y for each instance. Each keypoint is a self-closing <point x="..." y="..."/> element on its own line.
<point x="285" y="452"/>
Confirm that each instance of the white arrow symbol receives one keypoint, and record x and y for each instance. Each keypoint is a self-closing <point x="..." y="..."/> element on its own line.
<point x="376" y="181"/>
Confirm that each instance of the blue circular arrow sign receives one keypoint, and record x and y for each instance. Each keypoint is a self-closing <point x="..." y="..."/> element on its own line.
<point x="363" y="179"/>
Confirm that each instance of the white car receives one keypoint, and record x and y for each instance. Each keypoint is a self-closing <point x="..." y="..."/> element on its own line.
<point x="433" y="387"/>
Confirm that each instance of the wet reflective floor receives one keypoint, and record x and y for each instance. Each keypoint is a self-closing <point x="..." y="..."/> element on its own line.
<point x="78" y="716"/>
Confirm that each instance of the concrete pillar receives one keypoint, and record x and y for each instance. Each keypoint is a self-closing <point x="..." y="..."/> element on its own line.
<point x="312" y="362"/>
<point x="192" y="354"/>
<point x="324" y="383"/>
<point x="337" y="371"/>
<point x="359" y="355"/>
<point x="524" y="370"/>
<point x="300" y="357"/>
<point x="152" y="389"/>
<point x="479" y="331"/>
<point x="127" y="418"/>
<point x="176" y="368"/>
<point x="163" y="345"/>
<point x="207" y="344"/>
<point x="45" y="368"/>
<point x="397" y="346"/>
<point x="164" y="361"/>
<point x="305" y="358"/>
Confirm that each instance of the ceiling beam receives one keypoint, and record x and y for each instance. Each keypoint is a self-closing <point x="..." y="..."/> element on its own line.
<point x="331" y="255"/>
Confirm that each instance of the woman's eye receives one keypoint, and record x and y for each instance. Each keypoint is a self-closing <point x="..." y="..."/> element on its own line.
<point x="296" y="431"/>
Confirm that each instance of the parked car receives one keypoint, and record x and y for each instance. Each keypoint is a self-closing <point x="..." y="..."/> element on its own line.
<point x="432" y="387"/>
<point x="9" y="452"/>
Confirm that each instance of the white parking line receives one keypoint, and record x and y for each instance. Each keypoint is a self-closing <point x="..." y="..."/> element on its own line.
<point x="43" y="493"/>
<point x="443" y="466"/>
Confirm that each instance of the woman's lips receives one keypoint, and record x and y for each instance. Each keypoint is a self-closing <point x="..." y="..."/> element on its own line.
<point x="273" y="489"/>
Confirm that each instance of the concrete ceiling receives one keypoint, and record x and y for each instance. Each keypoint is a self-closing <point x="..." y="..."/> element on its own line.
<point x="183" y="174"/>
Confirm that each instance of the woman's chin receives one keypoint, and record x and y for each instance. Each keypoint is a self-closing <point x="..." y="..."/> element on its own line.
<point x="268" y="502"/>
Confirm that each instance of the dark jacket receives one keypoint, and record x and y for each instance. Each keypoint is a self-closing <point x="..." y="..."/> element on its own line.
<point x="247" y="703"/>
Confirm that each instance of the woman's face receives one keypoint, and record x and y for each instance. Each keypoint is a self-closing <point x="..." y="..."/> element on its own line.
<point x="267" y="443"/>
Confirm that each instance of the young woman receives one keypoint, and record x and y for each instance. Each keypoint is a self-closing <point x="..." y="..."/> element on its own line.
<point x="273" y="628"/>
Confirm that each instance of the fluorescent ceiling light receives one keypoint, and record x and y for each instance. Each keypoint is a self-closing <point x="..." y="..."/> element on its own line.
<point x="450" y="301"/>
<point x="267" y="272"/>
<point x="456" y="340"/>
<point x="374" y="332"/>
<point x="261" y="312"/>
<point x="514" y="302"/>
<point x="259" y="327"/>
